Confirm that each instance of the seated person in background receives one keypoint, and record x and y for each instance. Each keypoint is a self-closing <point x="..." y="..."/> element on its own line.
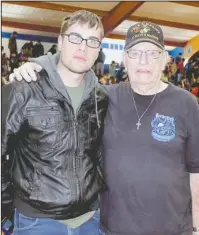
<point x="14" y="62"/>
<point x="195" y="86"/>
<point x="27" y="48"/>
<point x="112" y="80"/>
<point x="165" y="75"/>
<point x="185" y="84"/>
<point x="121" y="73"/>
<point x="3" y="80"/>
<point x="112" y="69"/>
<point x="23" y="56"/>
<point x="53" y="49"/>
<point x="38" y="49"/>
<point x="4" y="64"/>
<point x="178" y="58"/>
<point x="172" y="68"/>
<point x="180" y="66"/>
<point x="179" y="84"/>
<point x="103" y="80"/>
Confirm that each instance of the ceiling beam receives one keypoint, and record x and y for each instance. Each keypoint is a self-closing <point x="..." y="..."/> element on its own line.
<point x="165" y="23"/>
<point x="50" y="29"/>
<point x="175" y="44"/>
<point x="55" y="7"/>
<point x="118" y="14"/>
<point x="19" y="25"/>
<point x="65" y="8"/>
<point x="116" y="36"/>
<point x="192" y="4"/>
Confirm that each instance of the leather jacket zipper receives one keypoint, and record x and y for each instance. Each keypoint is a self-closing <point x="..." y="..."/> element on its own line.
<point x="75" y="162"/>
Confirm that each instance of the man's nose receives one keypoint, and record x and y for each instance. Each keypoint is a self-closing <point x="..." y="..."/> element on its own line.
<point x="82" y="45"/>
<point x="143" y="58"/>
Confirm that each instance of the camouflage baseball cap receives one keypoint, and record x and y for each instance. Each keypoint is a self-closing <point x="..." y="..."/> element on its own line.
<point x="144" y="32"/>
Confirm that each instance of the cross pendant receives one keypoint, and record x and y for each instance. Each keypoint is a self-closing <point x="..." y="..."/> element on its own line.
<point x="138" y="124"/>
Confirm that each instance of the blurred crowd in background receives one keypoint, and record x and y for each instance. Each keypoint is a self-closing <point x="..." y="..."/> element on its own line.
<point x="177" y="72"/>
<point x="16" y="58"/>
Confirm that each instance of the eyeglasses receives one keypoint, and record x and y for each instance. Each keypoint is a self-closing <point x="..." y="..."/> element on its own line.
<point x="151" y="54"/>
<point x="77" y="39"/>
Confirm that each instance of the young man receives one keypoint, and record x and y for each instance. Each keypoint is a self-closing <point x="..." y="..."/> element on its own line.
<point x="150" y="145"/>
<point x="52" y="130"/>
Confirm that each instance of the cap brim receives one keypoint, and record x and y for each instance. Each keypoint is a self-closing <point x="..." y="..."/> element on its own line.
<point x="136" y="41"/>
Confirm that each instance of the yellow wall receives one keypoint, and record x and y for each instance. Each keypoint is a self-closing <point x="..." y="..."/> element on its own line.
<point x="191" y="47"/>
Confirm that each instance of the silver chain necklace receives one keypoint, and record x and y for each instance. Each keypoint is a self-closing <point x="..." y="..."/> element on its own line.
<point x="138" y="124"/>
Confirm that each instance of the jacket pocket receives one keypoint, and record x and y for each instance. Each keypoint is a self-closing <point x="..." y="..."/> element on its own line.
<point x="44" y="128"/>
<point x="51" y="189"/>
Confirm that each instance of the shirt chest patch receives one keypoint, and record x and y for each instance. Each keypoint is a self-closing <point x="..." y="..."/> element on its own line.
<point x="163" y="128"/>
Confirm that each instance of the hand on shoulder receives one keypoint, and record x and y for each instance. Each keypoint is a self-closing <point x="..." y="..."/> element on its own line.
<point x="26" y="72"/>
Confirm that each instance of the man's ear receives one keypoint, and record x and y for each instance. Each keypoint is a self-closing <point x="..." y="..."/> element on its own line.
<point x="60" y="41"/>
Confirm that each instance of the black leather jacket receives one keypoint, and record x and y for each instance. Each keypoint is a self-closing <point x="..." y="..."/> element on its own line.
<point x="55" y="157"/>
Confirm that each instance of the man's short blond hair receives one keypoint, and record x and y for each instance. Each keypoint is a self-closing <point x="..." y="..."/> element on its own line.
<point x="83" y="17"/>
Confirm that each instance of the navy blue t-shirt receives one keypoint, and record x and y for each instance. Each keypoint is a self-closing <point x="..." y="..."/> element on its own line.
<point x="147" y="170"/>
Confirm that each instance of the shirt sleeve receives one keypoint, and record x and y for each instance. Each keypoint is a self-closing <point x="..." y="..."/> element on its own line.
<point x="192" y="145"/>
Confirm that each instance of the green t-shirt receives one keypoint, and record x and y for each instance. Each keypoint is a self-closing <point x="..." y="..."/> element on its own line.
<point x="76" y="94"/>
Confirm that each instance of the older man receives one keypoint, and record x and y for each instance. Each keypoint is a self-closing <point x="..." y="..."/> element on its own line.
<point x="150" y="145"/>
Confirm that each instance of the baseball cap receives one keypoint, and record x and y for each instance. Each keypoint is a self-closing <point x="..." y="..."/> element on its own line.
<point x="144" y="32"/>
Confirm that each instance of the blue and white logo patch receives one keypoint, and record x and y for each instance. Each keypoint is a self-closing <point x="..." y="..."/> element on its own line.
<point x="163" y="128"/>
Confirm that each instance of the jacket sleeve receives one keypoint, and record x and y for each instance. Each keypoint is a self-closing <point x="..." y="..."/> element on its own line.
<point x="10" y="124"/>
